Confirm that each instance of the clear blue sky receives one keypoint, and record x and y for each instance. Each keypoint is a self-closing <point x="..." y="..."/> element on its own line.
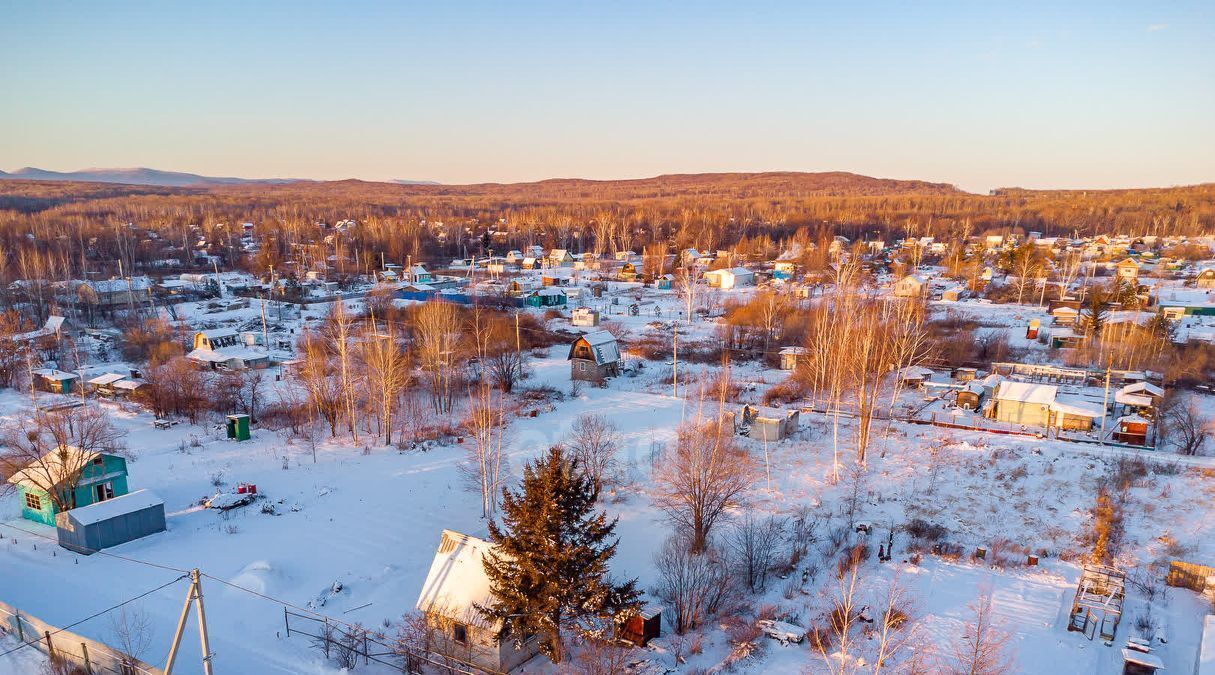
<point x="980" y="94"/>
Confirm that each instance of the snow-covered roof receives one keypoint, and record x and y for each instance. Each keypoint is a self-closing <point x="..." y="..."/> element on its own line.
<point x="603" y="345"/>
<point x="457" y="580"/>
<point x="129" y="385"/>
<point x="53" y="374"/>
<point x="914" y="373"/>
<point x="1135" y="400"/>
<point x="1206" y="653"/>
<point x="118" y="506"/>
<point x="1142" y="658"/>
<point x="1146" y="388"/>
<point x="1075" y="410"/>
<point x="1027" y="392"/>
<point x="55" y="466"/>
<point x="797" y="351"/>
<point x="206" y="356"/>
<point x="53" y="323"/>
<point x="107" y="378"/>
<point x="218" y="333"/>
<point x="226" y="354"/>
<point x="119" y="285"/>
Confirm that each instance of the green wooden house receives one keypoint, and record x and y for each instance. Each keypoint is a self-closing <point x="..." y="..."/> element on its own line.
<point x="101" y="476"/>
<point x="546" y="297"/>
<point x="54" y="381"/>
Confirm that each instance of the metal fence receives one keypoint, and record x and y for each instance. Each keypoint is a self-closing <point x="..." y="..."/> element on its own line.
<point x="349" y="645"/>
<point x="91" y="656"/>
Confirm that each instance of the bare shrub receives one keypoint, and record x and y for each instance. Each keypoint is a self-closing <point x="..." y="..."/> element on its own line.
<point x="594" y="442"/>
<point x="693" y="584"/>
<point x="753" y="544"/>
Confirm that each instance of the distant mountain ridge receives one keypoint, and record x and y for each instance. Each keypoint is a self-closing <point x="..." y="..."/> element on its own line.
<point x="738" y="185"/>
<point x="136" y="176"/>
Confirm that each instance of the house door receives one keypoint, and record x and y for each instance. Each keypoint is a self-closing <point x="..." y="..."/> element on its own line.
<point x="104" y="491"/>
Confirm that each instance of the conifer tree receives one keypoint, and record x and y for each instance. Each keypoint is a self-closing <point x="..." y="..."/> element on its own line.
<point x="549" y="567"/>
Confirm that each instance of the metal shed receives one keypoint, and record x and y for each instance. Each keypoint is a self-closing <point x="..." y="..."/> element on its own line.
<point x="112" y="522"/>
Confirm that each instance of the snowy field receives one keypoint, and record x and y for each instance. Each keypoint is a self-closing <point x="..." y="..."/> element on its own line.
<point x="371" y="518"/>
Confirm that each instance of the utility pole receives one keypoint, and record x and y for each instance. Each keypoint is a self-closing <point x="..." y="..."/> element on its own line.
<point x="1105" y="403"/>
<point x="518" y="345"/>
<point x="265" y="332"/>
<point x="193" y="596"/>
<point x="675" y="362"/>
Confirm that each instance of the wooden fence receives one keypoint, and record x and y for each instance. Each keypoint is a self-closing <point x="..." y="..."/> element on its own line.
<point x="89" y="655"/>
<point x="1190" y="575"/>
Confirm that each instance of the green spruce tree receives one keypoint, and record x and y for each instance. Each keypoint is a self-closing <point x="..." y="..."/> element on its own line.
<point x="549" y="569"/>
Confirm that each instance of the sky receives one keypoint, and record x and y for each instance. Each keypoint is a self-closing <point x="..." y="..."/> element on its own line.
<point x="1081" y="94"/>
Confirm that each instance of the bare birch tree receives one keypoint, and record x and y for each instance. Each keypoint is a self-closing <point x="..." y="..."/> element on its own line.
<point x="438" y="340"/>
<point x="983" y="648"/>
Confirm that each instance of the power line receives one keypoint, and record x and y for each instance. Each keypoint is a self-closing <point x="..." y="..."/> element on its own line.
<point x="158" y="566"/>
<point x="94" y="616"/>
<point x="330" y="619"/>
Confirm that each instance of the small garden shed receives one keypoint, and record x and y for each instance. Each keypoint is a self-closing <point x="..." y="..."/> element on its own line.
<point x="116" y="521"/>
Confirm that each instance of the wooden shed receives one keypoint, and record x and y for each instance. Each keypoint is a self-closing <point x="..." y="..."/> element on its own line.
<point x="643" y="627"/>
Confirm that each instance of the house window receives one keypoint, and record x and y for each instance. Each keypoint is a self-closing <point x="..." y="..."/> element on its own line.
<point x="105" y="491"/>
<point x="33" y="501"/>
<point x="459" y="633"/>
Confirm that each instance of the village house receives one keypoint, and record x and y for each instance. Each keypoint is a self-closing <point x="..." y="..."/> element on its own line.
<point x="101" y="476"/>
<point x="216" y="339"/>
<point x="1064" y="315"/>
<point x="910" y="286"/>
<point x="913" y="377"/>
<point x="1137" y="398"/>
<point x="594" y="357"/>
<point x="110" y="294"/>
<point x="546" y="297"/>
<point x="789" y="356"/>
<point x="955" y="293"/>
<point x="418" y="274"/>
<point x="585" y="316"/>
<point x="229" y="358"/>
<point x="783" y="269"/>
<point x="113" y="385"/>
<point x="455" y="585"/>
<point x="1034" y="405"/>
<point x="54" y="381"/>
<point x="1205" y="278"/>
<point x="1128" y="270"/>
<point x="560" y="257"/>
<point x="50" y="332"/>
<point x="732" y="277"/>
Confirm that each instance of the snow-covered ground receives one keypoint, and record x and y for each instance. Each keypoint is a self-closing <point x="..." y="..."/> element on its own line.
<point x="371" y="520"/>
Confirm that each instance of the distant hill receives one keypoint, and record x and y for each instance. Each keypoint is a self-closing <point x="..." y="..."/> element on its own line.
<point x="136" y="176"/>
